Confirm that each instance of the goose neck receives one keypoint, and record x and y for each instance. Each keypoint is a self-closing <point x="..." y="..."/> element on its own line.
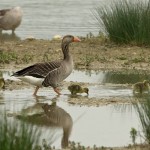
<point x="65" y="50"/>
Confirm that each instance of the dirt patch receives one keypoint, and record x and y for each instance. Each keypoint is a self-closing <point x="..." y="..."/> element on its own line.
<point x="91" y="53"/>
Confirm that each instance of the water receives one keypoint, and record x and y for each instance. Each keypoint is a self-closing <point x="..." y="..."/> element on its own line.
<point x="114" y="77"/>
<point x="104" y="126"/>
<point x="102" y="84"/>
<point x="44" y="19"/>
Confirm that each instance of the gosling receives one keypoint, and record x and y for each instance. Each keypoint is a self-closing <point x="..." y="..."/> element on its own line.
<point x="74" y="89"/>
<point x="141" y="87"/>
<point x="2" y="83"/>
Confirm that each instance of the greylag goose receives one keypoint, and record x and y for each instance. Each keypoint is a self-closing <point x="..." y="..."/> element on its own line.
<point x="10" y="19"/>
<point x="50" y="73"/>
<point x="141" y="87"/>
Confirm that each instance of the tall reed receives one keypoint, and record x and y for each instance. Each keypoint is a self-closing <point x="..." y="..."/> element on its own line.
<point x="143" y="109"/>
<point x="17" y="136"/>
<point x="126" y="21"/>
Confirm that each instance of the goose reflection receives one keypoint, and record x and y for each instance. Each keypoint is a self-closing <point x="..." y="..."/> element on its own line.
<point x="49" y="115"/>
<point x="59" y="117"/>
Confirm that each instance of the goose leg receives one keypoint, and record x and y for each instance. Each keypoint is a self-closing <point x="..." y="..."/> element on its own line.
<point x="13" y="31"/>
<point x="36" y="89"/>
<point x="57" y="91"/>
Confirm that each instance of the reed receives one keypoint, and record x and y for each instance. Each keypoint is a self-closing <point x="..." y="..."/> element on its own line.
<point x="17" y="136"/>
<point x="143" y="109"/>
<point x="126" y="21"/>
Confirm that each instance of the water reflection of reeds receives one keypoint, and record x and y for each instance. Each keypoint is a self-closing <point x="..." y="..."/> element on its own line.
<point x="17" y="135"/>
<point x="143" y="111"/>
<point x="125" y="77"/>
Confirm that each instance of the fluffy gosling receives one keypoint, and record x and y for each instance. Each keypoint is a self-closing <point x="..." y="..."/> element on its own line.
<point x="74" y="89"/>
<point x="141" y="87"/>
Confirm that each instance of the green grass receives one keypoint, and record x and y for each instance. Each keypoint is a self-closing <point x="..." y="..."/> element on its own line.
<point x="16" y="135"/>
<point x="87" y="60"/>
<point x="27" y="58"/>
<point x="7" y="57"/>
<point x="126" y="21"/>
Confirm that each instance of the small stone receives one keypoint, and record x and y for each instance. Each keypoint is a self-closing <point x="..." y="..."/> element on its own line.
<point x="30" y="38"/>
<point x="57" y="37"/>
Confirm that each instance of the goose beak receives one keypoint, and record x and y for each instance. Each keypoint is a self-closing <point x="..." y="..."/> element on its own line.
<point x="76" y="39"/>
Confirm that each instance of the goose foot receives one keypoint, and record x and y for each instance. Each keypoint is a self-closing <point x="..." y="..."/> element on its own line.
<point x="57" y="91"/>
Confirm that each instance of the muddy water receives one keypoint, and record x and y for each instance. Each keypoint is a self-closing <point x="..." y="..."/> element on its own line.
<point x="44" y="19"/>
<point x="104" y="126"/>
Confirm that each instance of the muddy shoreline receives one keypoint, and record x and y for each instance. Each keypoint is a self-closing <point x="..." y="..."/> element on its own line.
<point x="93" y="53"/>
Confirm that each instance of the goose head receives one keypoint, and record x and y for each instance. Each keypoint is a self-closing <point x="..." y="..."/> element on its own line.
<point x="65" y="44"/>
<point x="69" y="39"/>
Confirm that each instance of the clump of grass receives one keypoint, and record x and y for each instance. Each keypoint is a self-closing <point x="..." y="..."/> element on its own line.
<point x="101" y="59"/>
<point x="27" y="58"/>
<point x="16" y="136"/>
<point x="126" y="21"/>
<point x="7" y="57"/>
<point x="121" y="58"/>
<point x="46" y="56"/>
<point x="87" y="60"/>
<point x="137" y="60"/>
<point x="133" y="135"/>
<point x="44" y="146"/>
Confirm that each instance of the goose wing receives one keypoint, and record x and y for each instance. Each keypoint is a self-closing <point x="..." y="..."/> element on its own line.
<point x="54" y="77"/>
<point x="39" y="70"/>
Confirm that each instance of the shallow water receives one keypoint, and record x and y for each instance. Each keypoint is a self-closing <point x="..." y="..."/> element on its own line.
<point x="97" y="83"/>
<point x="101" y="83"/>
<point x="102" y="77"/>
<point x="44" y="19"/>
<point x="104" y="126"/>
